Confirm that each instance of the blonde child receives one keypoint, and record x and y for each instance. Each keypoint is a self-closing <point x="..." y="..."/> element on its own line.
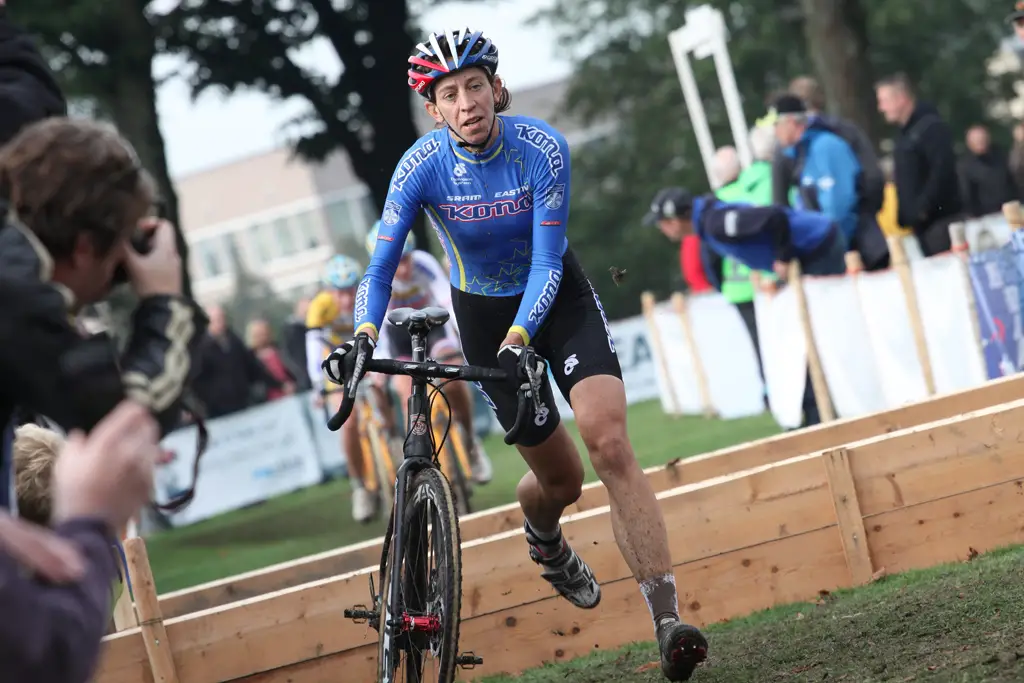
<point x="35" y="452"/>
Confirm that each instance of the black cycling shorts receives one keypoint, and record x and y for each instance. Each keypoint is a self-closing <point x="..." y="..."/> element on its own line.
<point x="574" y="339"/>
<point x="441" y="342"/>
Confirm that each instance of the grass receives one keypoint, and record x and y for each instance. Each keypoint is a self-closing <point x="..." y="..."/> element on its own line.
<point x="956" y="623"/>
<point x="319" y="518"/>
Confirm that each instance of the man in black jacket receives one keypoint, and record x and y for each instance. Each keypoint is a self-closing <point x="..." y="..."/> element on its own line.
<point x="927" y="187"/>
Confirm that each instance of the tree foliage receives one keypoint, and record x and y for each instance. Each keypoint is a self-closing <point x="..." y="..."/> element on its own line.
<point x="624" y="71"/>
<point x="367" y="111"/>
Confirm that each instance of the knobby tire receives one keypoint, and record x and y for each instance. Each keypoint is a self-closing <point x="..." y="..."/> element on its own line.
<point x="429" y="498"/>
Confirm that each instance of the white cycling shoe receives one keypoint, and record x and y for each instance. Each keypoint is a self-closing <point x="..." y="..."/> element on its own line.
<point x="363" y="505"/>
<point x="481" y="464"/>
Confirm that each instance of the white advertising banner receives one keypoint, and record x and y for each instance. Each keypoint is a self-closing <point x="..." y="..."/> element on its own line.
<point x="251" y="456"/>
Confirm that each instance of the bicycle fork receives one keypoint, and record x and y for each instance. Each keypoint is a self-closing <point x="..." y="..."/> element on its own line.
<point x="400" y="625"/>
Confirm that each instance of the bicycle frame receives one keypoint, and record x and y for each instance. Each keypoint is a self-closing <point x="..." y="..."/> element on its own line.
<point x="418" y="455"/>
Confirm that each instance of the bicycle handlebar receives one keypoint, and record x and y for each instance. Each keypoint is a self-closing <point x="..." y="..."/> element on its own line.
<point x="432" y="370"/>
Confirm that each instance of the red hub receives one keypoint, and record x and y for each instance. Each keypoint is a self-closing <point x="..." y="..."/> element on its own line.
<point x="426" y="624"/>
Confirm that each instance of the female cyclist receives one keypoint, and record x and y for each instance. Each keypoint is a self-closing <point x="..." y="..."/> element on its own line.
<point x="496" y="189"/>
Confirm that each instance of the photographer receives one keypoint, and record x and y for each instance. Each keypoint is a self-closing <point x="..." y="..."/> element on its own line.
<point x="75" y="195"/>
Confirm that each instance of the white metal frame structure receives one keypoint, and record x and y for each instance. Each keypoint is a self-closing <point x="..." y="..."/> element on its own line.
<point x="704" y="35"/>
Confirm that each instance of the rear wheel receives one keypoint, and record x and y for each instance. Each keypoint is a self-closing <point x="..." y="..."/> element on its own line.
<point x="419" y="639"/>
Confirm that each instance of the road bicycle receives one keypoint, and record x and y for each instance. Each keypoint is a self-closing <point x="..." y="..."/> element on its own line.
<point x="417" y="610"/>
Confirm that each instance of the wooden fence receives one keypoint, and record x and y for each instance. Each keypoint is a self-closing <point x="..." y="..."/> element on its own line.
<point x="766" y="523"/>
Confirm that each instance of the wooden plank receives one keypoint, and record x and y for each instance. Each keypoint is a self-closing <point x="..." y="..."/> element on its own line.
<point x="707" y="519"/>
<point x="936" y="525"/>
<point x="151" y="622"/>
<point x="848" y="515"/>
<point x="662" y="477"/>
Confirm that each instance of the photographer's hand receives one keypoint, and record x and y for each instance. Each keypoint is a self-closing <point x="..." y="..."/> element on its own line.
<point x="159" y="271"/>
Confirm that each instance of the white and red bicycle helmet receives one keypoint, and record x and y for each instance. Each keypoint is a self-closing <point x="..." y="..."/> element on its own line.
<point x="444" y="53"/>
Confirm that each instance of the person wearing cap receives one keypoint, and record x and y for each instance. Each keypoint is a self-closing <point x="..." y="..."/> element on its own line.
<point x="825" y="166"/>
<point x="760" y="237"/>
<point x="700" y="266"/>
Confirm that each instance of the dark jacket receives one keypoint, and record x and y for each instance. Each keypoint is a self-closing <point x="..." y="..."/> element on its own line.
<point x="757" y="236"/>
<point x="28" y="91"/>
<point x="51" y="634"/>
<point x="228" y="374"/>
<point x="986" y="182"/>
<point x="927" y="187"/>
<point x="47" y="367"/>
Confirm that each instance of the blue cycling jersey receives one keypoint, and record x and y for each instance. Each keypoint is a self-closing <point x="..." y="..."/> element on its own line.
<point x="500" y="216"/>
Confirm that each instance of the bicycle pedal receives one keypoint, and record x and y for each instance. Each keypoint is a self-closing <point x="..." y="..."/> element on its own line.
<point x="468" y="660"/>
<point x="360" y="615"/>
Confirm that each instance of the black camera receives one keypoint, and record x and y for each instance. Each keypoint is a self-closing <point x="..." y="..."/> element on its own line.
<point x="142" y="242"/>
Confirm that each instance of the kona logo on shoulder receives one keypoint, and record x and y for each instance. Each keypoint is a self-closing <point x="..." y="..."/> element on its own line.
<point x="414" y="160"/>
<point x="484" y="211"/>
<point x="545" y="142"/>
<point x="546" y="298"/>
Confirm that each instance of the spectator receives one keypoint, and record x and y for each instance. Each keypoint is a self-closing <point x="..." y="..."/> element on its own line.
<point x="824" y="165"/>
<point x="75" y="192"/>
<point x="55" y="585"/>
<point x="229" y="375"/>
<point x="293" y="346"/>
<point x="701" y="267"/>
<point x="1017" y="158"/>
<point x="751" y="186"/>
<point x="870" y="182"/>
<point x="762" y="237"/>
<point x="259" y="339"/>
<point x="925" y="165"/>
<point x="35" y="453"/>
<point x="985" y="179"/>
<point x="867" y="238"/>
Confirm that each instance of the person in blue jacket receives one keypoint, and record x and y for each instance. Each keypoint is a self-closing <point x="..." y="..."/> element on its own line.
<point x="760" y="237"/>
<point x="826" y="168"/>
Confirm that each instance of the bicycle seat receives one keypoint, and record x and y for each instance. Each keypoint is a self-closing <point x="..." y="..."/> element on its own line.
<point x="431" y="316"/>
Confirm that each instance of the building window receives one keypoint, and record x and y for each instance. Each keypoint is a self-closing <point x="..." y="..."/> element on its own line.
<point x="284" y="240"/>
<point x="257" y="242"/>
<point x="343" y="225"/>
<point x="307" y="230"/>
<point x="210" y="258"/>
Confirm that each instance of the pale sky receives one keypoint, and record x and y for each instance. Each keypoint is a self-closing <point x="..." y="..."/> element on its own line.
<point x="215" y="129"/>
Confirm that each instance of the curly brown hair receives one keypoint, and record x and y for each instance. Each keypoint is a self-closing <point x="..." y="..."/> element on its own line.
<point x="64" y="177"/>
<point x="35" y="452"/>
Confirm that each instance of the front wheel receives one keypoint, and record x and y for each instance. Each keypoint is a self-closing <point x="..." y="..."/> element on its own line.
<point x="421" y="591"/>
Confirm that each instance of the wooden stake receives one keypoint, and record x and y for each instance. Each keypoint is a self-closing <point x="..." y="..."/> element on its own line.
<point x="158" y="649"/>
<point x="848" y="515"/>
<point x="821" y="396"/>
<point x="679" y="303"/>
<point x="647" y="306"/>
<point x="902" y="267"/>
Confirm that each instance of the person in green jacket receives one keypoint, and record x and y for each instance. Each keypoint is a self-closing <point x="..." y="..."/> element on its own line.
<point x="751" y="185"/>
